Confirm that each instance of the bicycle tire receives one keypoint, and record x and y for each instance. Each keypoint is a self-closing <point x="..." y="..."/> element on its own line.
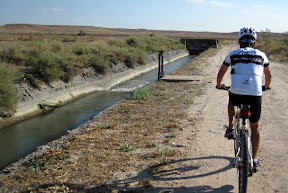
<point x="236" y="142"/>
<point x="243" y="170"/>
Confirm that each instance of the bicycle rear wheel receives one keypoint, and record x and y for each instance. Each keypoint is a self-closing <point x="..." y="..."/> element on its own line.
<point x="243" y="168"/>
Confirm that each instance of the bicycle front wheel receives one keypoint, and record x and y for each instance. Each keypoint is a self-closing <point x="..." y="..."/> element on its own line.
<point x="243" y="168"/>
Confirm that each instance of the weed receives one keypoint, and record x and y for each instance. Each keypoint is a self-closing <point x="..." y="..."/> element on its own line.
<point x="37" y="164"/>
<point x="140" y="94"/>
<point x="151" y="145"/>
<point x="105" y="126"/>
<point x="127" y="148"/>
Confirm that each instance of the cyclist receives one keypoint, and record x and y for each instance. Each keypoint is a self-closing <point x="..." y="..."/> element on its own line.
<point x="247" y="68"/>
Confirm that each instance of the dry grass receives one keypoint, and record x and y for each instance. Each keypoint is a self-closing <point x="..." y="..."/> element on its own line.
<point x="132" y="135"/>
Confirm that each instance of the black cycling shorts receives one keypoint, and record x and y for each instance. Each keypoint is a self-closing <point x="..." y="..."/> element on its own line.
<point x="253" y="101"/>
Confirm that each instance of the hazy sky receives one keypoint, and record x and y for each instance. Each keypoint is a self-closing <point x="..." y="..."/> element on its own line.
<point x="184" y="15"/>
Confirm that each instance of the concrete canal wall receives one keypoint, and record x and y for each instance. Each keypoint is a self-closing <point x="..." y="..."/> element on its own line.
<point x="196" y="46"/>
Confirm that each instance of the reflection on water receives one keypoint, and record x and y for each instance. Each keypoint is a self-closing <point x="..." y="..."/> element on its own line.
<point x="18" y="140"/>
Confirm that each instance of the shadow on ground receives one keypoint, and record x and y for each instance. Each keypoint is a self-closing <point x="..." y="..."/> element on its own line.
<point x="157" y="173"/>
<point x="142" y="182"/>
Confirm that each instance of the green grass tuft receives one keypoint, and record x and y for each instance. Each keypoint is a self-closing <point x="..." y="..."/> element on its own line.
<point x="141" y="94"/>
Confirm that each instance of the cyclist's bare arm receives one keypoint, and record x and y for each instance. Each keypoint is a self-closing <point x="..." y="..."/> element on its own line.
<point x="268" y="77"/>
<point x="221" y="74"/>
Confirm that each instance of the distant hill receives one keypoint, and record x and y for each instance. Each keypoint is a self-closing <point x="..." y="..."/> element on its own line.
<point x="91" y="30"/>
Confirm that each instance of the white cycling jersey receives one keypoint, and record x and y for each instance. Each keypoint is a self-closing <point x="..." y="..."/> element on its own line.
<point x="247" y="66"/>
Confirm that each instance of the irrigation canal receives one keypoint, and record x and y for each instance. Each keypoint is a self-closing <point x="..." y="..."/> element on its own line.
<point x="21" y="139"/>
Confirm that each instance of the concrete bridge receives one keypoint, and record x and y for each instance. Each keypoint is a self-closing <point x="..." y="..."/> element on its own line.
<point x="196" y="46"/>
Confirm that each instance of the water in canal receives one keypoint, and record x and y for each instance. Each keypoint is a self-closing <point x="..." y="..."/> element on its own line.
<point x="18" y="140"/>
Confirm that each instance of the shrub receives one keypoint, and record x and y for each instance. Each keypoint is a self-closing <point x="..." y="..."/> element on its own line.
<point x="52" y="61"/>
<point x="46" y="67"/>
<point x="80" y="49"/>
<point x="286" y="38"/>
<point x="135" y="56"/>
<point x="7" y="91"/>
<point x="99" y="64"/>
<point x="69" y="39"/>
<point x="134" y="42"/>
<point x="56" y="47"/>
<point x="12" y="54"/>
<point x="130" y="61"/>
<point x="118" y="42"/>
<point x="140" y="94"/>
<point x="277" y="50"/>
<point x="81" y="33"/>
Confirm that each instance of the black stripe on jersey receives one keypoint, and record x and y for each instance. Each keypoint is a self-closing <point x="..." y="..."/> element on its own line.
<point x="256" y="59"/>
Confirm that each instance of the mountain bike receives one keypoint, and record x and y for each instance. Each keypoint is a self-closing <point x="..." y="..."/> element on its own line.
<point x="243" y="160"/>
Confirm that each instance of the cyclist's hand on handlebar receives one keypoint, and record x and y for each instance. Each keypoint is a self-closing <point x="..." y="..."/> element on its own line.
<point x="263" y="88"/>
<point x="223" y="87"/>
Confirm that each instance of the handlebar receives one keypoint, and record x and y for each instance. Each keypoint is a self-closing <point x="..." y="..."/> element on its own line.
<point x="263" y="88"/>
<point x="224" y="87"/>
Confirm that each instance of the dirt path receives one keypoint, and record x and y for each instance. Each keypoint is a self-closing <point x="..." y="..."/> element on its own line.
<point x="209" y="167"/>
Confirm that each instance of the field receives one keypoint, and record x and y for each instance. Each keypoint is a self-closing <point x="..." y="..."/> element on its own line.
<point x="58" y="32"/>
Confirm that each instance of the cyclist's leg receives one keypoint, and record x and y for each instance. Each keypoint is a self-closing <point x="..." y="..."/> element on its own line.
<point x="255" y="138"/>
<point x="231" y="113"/>
<point x="232" y="108"/>
<point x="254" y="124"/>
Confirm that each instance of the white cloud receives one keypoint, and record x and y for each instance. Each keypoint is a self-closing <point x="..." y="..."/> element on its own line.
<point x="217" y="3"/>
<point x="195" y="1"/>
<point x="58" y="10"/>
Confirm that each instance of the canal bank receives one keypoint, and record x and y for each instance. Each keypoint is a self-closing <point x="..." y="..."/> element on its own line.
<point x="33" y="101"/>
<point x="129" y="135"/>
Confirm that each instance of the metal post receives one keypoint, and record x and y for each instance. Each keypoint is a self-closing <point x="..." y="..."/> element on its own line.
<point x="161" y="64"/>
<point x="159" y="67"/>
